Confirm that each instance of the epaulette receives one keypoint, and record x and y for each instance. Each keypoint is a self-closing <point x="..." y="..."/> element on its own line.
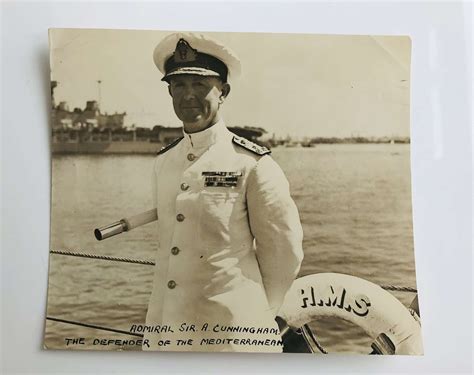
<point x="248" y="145"/>
<point x="170" y="146"/>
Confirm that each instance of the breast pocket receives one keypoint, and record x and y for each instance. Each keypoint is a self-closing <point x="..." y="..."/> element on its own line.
<point x="217" y="211"/>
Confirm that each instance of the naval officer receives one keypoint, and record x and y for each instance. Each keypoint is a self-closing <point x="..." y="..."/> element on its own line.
<point x="230" y="237"/>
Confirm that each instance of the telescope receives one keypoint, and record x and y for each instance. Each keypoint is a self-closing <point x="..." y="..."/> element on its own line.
<point x="125" y="224"/>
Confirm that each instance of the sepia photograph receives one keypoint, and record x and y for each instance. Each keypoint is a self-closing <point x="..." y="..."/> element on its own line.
<point x="231" y="192"/>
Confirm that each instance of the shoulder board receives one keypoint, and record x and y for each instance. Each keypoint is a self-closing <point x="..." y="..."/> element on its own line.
<point x="170" y="146"/>
<point x="253" y="147"/>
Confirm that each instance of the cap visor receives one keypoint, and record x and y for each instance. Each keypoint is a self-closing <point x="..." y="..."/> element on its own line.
<point x="191" y="70"/>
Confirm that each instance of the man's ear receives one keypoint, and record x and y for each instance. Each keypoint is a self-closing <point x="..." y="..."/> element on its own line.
<point x="224" y="92"/>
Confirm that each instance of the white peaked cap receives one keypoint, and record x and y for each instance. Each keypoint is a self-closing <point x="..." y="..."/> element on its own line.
<point x="202" y="45"/>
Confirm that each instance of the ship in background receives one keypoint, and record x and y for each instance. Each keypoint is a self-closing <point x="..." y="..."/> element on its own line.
<point x="89" y="131"/>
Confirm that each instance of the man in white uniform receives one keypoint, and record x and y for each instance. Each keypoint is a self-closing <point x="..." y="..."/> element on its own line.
<point x="230" y="238"/>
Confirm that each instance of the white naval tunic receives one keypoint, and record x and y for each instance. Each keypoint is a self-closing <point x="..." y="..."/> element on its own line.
<point x="226" y="255"/>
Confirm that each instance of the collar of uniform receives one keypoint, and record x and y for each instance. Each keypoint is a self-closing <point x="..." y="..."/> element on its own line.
<point x="207" y="137"/>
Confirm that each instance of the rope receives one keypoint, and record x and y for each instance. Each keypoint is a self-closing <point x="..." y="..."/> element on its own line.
<point x="306" y="331"/>
<point x="94" y="326"/>
<point x="103" y="257"/>
<point x="151" y="263"/>
<point x="399" y="288"/>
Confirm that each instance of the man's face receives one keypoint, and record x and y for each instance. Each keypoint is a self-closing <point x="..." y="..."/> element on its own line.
<point x="196" y="100"/>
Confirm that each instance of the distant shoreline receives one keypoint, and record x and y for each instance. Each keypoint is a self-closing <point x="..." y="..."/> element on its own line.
<point x="150" y="148"/>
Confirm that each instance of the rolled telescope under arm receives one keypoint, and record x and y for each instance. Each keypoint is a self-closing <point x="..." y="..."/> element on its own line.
<point x="126" y="224"/>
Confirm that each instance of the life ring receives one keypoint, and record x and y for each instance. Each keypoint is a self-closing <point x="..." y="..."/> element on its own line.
<point x="359" y="301"/>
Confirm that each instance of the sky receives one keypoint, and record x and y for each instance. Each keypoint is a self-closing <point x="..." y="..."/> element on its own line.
<point x="300" y="85"/>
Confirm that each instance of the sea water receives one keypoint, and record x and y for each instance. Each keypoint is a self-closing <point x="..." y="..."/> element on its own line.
<point x="354" y="202"/>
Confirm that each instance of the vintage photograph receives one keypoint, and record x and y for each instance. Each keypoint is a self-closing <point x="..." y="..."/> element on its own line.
<point x="231" y="192"/>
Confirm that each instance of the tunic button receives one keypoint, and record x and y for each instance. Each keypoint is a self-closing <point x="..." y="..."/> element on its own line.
<point x="171" y="284"/>
<point x="191" y="157"/>
<point x="174" y="250"/>
<point x="184" y="186"/>
<point x="180" y="217"/>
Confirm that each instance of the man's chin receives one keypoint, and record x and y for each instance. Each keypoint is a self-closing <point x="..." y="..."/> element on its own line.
<point x="191" y="118"/>
<point x="192" y="122"/>
<point x="190" y="113"/>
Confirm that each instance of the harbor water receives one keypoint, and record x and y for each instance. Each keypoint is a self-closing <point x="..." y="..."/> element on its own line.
<point x="354" y="202"/>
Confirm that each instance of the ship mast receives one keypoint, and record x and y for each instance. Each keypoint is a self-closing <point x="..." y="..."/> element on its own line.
<point x="100" y="95"/>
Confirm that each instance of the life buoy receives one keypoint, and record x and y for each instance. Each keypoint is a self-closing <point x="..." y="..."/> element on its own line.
<point x="359" y="301"/>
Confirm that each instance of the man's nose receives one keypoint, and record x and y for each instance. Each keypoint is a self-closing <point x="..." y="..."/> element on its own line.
<point x="189" y="92"/>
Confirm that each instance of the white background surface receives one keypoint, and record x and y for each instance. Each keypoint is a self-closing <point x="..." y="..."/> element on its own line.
<point x="441" y="175"/>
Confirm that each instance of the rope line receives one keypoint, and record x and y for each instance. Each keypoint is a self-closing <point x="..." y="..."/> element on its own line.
<point x="151" y="263"/>
<point x="103" y="257"/>
<point x="399" y="288"/>
<point x="93" y="326"/>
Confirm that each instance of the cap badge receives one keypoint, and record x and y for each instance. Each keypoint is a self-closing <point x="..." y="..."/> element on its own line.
<point x="184" y="52"/>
